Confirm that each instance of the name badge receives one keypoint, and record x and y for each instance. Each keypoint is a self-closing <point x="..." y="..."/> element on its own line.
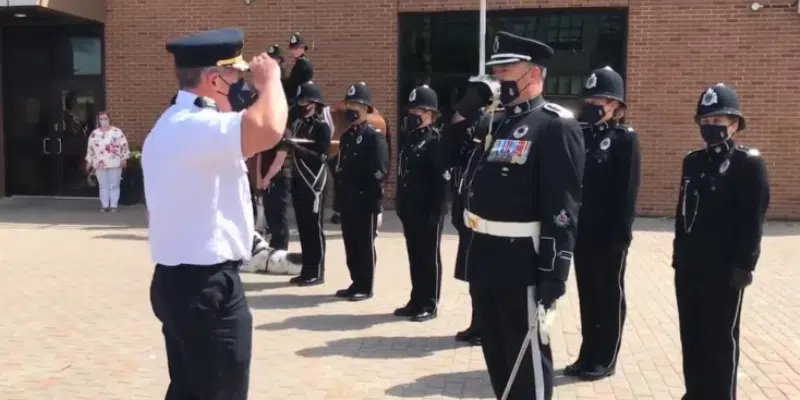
<point x="509" y="151"/>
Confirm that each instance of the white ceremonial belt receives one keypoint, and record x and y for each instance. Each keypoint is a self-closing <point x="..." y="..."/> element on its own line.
<point x="502" y="228"/>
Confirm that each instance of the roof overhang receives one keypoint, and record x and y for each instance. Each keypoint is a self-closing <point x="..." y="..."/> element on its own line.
<point x="94" y="10"/>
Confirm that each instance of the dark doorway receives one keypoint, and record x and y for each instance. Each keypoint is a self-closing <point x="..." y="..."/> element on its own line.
<point x="53" y="87"/>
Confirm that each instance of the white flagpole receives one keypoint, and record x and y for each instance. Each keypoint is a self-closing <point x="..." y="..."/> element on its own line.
<point x="482" y="39"/>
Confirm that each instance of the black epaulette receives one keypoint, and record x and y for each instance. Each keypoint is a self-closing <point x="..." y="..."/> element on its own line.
<point x="750" y="152"/>
<point x="558" y="111"/>
<point x="624" y="129"/>
<point x="585" y="125"/>
<point x="205" y="102"/>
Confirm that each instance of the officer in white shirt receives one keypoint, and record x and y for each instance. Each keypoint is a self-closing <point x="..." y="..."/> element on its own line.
<point x="201" y="220"/>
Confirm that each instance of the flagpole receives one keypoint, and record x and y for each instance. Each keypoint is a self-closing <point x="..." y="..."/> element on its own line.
<point x="482" y="39"/>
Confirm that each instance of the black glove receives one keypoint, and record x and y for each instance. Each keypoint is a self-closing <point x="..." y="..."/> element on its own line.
<point x="478" y="95"/>
<point x="549" y="291"/>
<point x="741" y="278"/>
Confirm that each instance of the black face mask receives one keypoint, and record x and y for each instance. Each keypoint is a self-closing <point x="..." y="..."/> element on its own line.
<point x="352" y="115"/>
<point x="509" y="90"/>
<point x="411" y="122"/>
<point x="240" y="95"/>
<point x="592" y="113"/>
<point x="714" y="134"/>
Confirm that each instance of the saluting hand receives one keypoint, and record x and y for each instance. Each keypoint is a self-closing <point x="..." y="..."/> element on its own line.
<point x="264" y="70"/>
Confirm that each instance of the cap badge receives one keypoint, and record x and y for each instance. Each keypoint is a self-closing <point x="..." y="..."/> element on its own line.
<point x="496" y="45"/>
<point x="352" y="90"/>
<point x="293" y="39"/>
<point x="709" y="98"/>
<point x="413" y="95"/>
<point x="591" y="82"/>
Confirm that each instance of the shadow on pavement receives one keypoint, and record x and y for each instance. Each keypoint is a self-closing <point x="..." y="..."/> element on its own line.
<point x="330" y="323"/>
<point x="122" y="236"/>
<point x="382" y="347"/>
<point x="257" y="286"/>
<point x="456" y="385"/>
<point x="287" y="301"/>
<point x="54" y="212"/>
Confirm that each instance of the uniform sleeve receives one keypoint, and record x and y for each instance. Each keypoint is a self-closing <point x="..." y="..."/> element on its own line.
<point x="441" y="175"/>
<point x="322" y="139"/>
<point x="755" y="195"/>
<point x="377" y="168"/>
<point x="680" y="234"/>
<point x="302" y="72"/>
<point x="561" y="162"/>
<point x="210" y="135"/>
<point x="457" y="141"/>
<point x="627" y="187"/>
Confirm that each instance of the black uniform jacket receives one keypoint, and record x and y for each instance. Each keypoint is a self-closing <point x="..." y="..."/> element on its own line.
<point x="301" y="72"/>
<point x="422" y="175"/>
<point x="308" y="159"/>
<point x="610" y="186"/>
<point x="723" y="199"/>
<point x="530" y="169"/>
<point x="361" y="165"/>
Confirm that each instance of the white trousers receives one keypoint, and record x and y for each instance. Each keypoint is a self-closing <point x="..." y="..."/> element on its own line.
<point x="108" y="180"/>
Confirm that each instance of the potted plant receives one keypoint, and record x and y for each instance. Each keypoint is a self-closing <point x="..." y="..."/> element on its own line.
<point x="132" y="187"/>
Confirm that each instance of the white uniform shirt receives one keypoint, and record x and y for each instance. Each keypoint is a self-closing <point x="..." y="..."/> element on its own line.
<point x="196" y="186"/>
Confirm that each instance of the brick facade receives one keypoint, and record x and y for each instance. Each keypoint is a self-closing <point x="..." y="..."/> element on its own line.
<point x="675" y="48"/>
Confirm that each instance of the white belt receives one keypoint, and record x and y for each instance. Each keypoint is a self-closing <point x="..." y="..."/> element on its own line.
<point x="504" y="229"/>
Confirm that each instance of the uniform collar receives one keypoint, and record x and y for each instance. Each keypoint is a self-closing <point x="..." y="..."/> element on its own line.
<point x="185" y="97"/>
<point x="525" y="106"/>
<point x="722" y="148"/>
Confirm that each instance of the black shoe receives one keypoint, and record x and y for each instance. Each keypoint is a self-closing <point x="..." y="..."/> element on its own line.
<point x="310" y="282"/>
<point x="296" y="280"/>
<point x="595" y="372"/>
<point x="336" y="218"/>
<point x="344" y="293"/>
<point x="424" y="315"/>
<point x="575" y="369"/>
<point x="405" y="311"/>
<point x="470" y="335"/>
<point x="360" y="296"/>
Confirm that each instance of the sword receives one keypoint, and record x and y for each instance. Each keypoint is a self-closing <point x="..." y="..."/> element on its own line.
<point x="544" y="318"/>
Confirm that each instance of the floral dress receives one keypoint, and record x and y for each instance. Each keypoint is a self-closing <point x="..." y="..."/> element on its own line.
<point x="107" y="149"/>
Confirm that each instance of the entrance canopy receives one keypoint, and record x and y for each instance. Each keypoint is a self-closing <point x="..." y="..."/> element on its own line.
<point x="93" y="10"/>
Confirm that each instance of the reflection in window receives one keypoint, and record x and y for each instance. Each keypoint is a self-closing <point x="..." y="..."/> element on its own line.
<point x="565" y="32"/>
<point x="564" y="85"/>
<point x="87" y="56"/>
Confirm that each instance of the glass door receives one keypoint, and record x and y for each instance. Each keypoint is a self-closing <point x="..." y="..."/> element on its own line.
<point x="76" y="104"/>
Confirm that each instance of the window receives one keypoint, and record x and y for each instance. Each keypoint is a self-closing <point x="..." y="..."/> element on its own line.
<point x="565" y="31"/>
<point x="87" y="56"/>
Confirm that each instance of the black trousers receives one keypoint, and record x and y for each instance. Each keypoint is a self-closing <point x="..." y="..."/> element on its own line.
<point x="358" y="234"/>
<point x="310" y="229"/>
<point x="600" y="275"/>
<point x="709" y="312"/>
<point x="276" y="211"/>
<point x="207" y="328"/>
<point x="505" y="315"/>
<point x="423" y="241"/>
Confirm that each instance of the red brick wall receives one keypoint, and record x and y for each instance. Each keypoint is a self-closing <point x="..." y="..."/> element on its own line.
<point x="675" y="48"/>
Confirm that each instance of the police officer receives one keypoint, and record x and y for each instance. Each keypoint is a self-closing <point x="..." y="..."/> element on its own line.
<point x="275" y="177"/>
<point x="521" y="205"/>
<point x="463" y="142"/>
<point x="610" y="187"/>
<point x="422" y="178"/>
<point x="302" y="71"/>
<point x="196" y="291"/>
<point x="309" y="175"/>
<point x="276" y="54"/>
<point x="362" y="163"/>
<point x="724" y="195"/>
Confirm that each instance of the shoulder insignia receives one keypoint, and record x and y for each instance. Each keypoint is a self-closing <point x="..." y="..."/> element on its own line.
<point x="694" y="152"/>
<point x="749" y="151"/>
<point x="205" y="102"/>
<point x="624" y="129"/>
<point x="559" y="111"/>
<point x="584" y="125"/>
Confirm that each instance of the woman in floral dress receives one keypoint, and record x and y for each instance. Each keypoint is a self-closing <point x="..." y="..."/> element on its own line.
<point x="107" y="153"/>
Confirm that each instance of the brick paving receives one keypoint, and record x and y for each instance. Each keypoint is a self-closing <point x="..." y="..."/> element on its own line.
<point x="76" y="322"/>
